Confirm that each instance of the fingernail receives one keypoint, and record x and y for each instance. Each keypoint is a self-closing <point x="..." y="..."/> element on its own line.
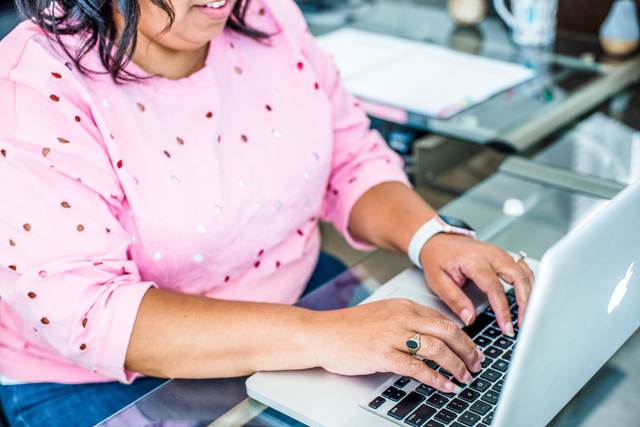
<point x="449" y="387"/>
<point x="457" y="390"/>
<point x="477" y="367"/>
<point x="466" y="316"/>
<point x="467" y="377"/>
<point x="509" y="330"/>
<point x="480" y="354"/>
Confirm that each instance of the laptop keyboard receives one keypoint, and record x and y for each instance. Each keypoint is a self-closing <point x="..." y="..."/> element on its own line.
<point x="407" y="402"/>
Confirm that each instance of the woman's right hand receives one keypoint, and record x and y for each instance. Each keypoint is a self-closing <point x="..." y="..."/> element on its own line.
<point x="371" y="338"/>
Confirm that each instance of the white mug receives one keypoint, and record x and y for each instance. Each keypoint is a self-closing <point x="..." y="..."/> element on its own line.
<point x="533" y="22"/>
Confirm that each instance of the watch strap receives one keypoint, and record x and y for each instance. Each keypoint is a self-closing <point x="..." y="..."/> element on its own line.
<point x="432" y="227"/>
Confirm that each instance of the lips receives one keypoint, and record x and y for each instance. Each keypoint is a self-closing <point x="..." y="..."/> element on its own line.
<point x="218" y="9"/>
<point x="215" y="4"/>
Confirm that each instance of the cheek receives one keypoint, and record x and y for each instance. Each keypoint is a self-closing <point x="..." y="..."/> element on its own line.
<point x="153" y="20"/>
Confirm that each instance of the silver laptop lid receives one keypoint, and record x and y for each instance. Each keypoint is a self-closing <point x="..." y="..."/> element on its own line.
<point x="583" y="307"/>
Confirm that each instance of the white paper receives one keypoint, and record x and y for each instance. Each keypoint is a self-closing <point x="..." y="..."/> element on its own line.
<point x="418" y="77"/>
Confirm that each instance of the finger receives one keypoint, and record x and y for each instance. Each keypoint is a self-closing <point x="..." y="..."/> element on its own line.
<point x="520" y="276"/>
<point x="486" y="279"/>
<point x="443" y="337"/>
<point x="449" y="291"/>
<point x="523" y="294"/>
<point x="434" y="349"/>
<point x="403" y="364"/>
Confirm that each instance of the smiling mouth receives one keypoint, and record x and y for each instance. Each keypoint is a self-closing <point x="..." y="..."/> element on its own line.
<point x="216" y="4"/>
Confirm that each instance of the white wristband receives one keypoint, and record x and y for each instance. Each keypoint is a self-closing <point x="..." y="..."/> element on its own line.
<point x="427" y="231"/>
<point x="432" y="227"/>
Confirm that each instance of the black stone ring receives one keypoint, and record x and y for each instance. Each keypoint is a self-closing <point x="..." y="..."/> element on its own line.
<point x="413" y="344"/>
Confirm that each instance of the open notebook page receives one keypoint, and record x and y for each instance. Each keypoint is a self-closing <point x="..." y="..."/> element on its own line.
<point x="417" y="77"/>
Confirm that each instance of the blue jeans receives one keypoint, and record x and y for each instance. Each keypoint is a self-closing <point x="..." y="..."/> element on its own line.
<point x="65" y="405"/>
<point x="58" y="405"/>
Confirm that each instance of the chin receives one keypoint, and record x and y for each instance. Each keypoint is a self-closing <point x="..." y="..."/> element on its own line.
<point x="192" y="40"/>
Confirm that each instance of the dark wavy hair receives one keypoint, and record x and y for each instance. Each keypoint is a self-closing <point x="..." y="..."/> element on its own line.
<point x="93" y="21"/>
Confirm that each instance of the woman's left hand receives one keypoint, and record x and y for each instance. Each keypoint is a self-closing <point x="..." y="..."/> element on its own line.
<point x="450" y="259"/>
<point x="388" y="216"/>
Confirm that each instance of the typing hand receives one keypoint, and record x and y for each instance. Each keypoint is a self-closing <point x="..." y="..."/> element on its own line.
<point x="450" y="259"/>
<point x="372" y="338"/>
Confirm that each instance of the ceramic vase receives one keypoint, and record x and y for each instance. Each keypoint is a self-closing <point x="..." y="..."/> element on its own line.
<point x="620" y="31"/>
<point x="467" y="13"/>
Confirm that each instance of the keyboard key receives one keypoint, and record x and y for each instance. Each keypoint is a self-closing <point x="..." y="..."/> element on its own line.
<point x="487" y="361"/>
<point x="514" y="312"/>
<point x="511" y="298"/>
<point x="515" y="332"/>
<point x="507" y="355"/>
<point x="406" y="405"/>
<point x="377" y="402"/>
<point x="479" y="384"/>
<point x="503" y="342"/>
<point x="445" y="372"/>
<point x="480" y="407"/>
<point x="490" y="311"/>
<point x="468" y="418"/>
<point x="492" y="332"/>
<point x="432" y="423"/>
<point x="492" y="352"/>
<point x="501" y="365"/>
<point x="457" y="405"/>
<point x="482" y="341"/>
<point x="394" y="394"/>
<point x="445" y="416"/>
<point x="490" y="375"/>
<point x="456" y="382"/>
<point x="491" y="397"/>
<point x="427" y="390"/>
<point x="498" y="386"/>
<point x="433" y="365"/>
<point x="402" y="381"/>
<point x="420" y="415"/>
<point x="469" y="395"/>
<point x="482" y="320"/>
<point x="438" y="401"/>
<point x="488" y="419"/>
<point x="456" y="424"/>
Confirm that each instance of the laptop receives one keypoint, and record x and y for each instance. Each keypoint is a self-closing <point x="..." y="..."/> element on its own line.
<point x="583" y="307"/>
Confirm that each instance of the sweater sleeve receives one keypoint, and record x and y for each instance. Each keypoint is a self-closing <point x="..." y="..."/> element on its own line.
<point x="361" y="158"/>
<point x="65" y="269"/>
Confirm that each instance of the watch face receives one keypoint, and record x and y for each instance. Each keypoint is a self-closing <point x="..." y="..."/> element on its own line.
<point x="455" y="222"/>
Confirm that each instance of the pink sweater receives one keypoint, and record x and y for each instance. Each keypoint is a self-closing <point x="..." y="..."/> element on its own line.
<point x="210" y="185"/>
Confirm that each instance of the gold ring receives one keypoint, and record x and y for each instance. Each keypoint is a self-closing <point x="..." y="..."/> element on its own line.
<point x="413" y="344"/>
<point x="520" y="257"/>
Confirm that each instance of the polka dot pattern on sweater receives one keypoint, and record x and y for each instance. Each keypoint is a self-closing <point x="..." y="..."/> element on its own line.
<point x="204" y="185"/>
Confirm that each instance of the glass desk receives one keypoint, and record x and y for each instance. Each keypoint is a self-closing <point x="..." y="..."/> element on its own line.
<point x="598" y="155"/>
<point x="572" y="77"/>
<point x="610" y="398"/>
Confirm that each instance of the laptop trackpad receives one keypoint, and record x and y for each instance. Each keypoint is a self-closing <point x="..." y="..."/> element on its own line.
<point x="428" y="300"/>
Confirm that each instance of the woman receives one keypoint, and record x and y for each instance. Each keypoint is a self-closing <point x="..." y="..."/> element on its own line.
<point x="159" y="214"/>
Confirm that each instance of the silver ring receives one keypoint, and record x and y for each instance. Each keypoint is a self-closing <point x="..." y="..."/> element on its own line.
<point x="413" y="344"/>
<point x="520" y="257"/>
